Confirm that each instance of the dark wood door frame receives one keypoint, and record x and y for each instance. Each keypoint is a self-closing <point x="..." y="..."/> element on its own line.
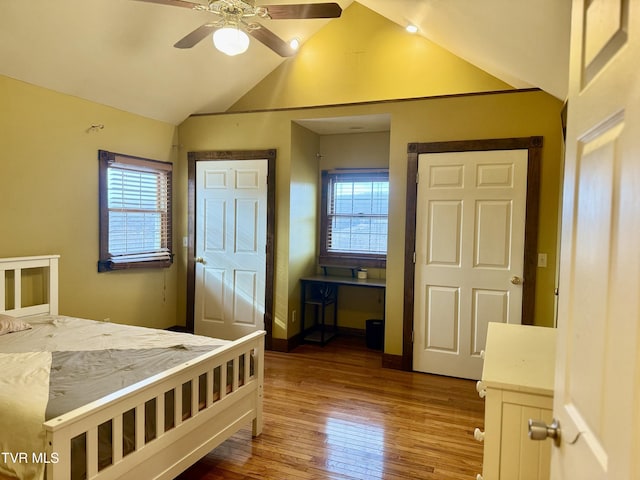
<point x="270" y="156"/>
<point x="534" y="147"/>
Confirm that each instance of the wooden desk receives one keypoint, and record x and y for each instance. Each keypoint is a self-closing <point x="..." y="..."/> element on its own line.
<point x="321" y="291"/>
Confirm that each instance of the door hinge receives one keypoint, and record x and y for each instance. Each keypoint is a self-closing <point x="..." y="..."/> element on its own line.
<point x="414" y="257"/>
<point x="417" y="177"/>
<point x="411" y="336"/>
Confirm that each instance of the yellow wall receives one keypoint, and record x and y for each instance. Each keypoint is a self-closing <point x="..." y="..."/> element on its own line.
<point x="361" y="57"/>
<point x="303" y="220"/>
<point x="49" y="191"/>
<point x="477" y="117"/>
<point x="354" y="150"/>
<point x="512" y="114"/>
<point x="241" y="132"/>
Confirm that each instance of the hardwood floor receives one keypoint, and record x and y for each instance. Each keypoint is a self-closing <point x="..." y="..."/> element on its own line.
<point x="333" y="413"/>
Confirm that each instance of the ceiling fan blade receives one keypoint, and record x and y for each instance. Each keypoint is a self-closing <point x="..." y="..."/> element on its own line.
<point x="304" y="10"/>
<point x="175" y="3"/>
<point x="196" y="36"/>
<point x="271" y="40"/>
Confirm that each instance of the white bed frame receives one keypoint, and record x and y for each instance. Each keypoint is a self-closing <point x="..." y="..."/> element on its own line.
<point x="236" y="403"/>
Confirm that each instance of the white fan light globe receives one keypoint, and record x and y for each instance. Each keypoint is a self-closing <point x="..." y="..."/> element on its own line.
<point x="231" y="41"/>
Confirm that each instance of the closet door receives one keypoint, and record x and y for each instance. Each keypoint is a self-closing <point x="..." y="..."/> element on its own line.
<point x="470" y="233"/>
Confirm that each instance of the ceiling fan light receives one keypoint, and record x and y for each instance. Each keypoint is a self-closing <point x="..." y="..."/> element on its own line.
<point x="231" y="41"/>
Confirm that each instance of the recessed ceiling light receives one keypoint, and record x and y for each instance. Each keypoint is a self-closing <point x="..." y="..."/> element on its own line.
<point x="294" y="43"/>
<point x="412" y="28"/>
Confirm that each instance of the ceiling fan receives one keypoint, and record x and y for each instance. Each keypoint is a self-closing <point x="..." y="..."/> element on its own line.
<point x="235" y="17"/>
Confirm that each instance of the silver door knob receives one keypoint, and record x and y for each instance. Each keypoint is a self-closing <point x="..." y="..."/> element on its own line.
<point x="538" y="430"/>
<point x="200" y="260"/>
<point x="516" y="280"/>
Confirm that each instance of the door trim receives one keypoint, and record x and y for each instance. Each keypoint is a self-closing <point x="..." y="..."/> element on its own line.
<point x="534" y="147"/>
<point x="222" y="155"/>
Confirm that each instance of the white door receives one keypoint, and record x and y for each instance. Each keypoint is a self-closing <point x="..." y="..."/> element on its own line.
<point x="470" y="225"/>
<point x="231" y="234"/>
<point x="597" y="392"/>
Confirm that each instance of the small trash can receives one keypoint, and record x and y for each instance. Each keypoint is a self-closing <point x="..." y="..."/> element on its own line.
<point x="374" y="334"/>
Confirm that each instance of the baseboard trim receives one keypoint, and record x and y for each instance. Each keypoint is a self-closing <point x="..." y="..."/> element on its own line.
<point x="179" y="328"/>
<point x="392" y="361"/>
<point x="353" y="332"/>
<point x="285" y="344"/>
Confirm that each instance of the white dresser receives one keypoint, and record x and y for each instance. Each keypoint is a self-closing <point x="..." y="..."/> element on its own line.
<point x="517" y="384"/>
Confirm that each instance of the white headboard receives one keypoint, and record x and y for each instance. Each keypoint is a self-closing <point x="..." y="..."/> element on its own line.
<point x="17" y="264"/>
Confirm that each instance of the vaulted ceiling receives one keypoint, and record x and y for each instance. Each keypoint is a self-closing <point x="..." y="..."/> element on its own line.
<point x="120" y="52"/>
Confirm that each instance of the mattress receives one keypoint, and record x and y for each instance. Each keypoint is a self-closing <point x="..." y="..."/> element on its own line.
<point x="63" y="363"/>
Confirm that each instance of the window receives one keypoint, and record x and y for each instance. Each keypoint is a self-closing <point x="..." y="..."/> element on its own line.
<point x="135" y="212"/>
<point x="354" y="218"/>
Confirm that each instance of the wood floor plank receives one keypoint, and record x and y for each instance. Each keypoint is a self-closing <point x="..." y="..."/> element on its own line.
<point x="332" y="412"/>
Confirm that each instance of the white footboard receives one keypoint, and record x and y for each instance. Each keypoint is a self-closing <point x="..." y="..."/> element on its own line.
<point x="225" y="388"/>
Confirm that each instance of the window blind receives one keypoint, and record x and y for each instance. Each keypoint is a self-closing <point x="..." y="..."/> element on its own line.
<point x="357" y="212"/>
<point x="137" y="214"/>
